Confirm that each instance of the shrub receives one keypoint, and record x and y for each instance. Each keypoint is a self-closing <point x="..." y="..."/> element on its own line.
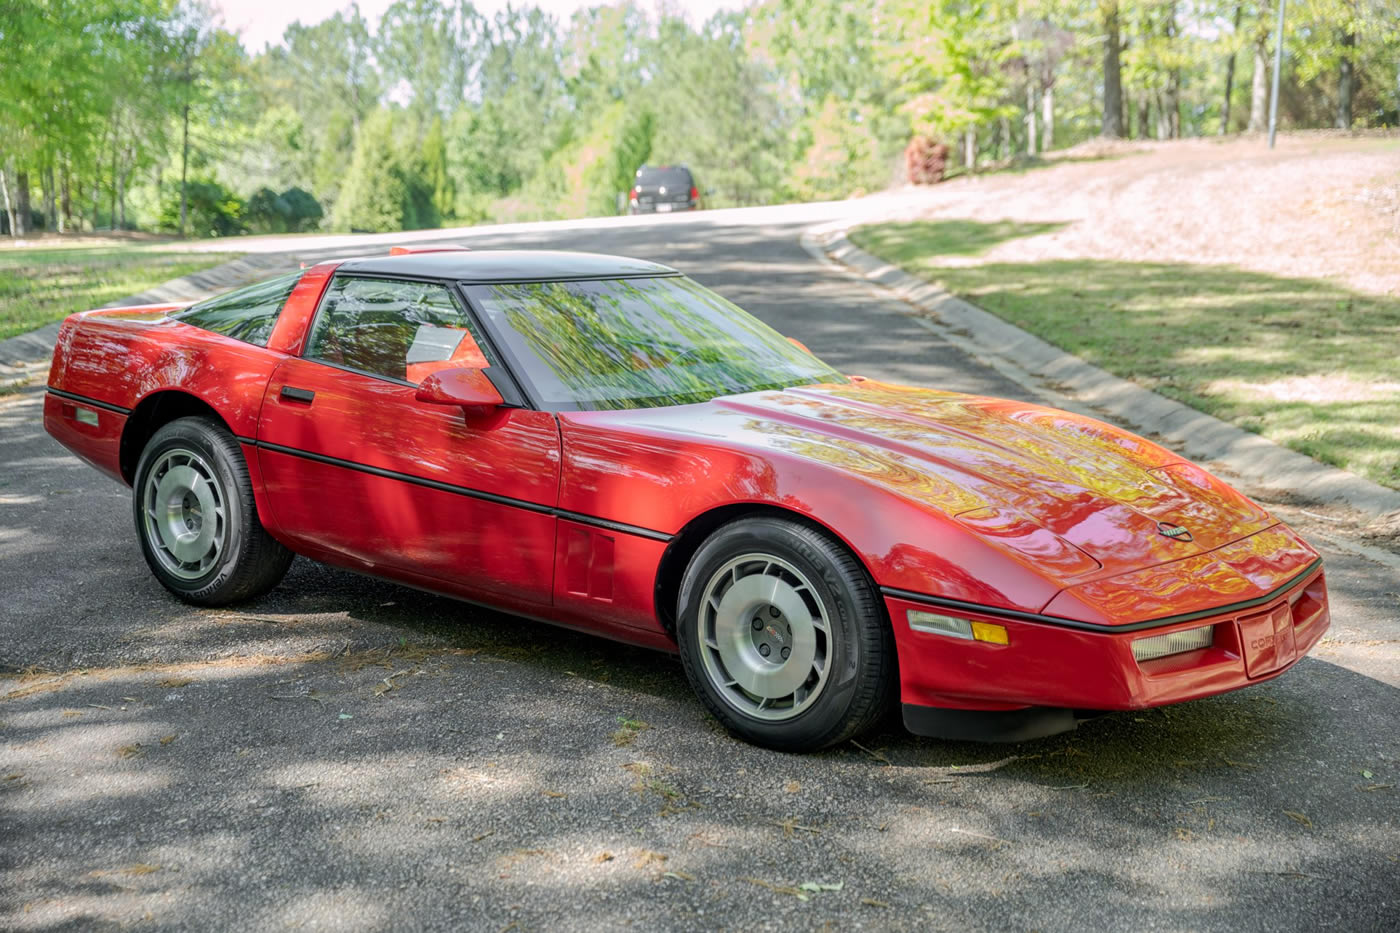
<point x="213" y="210"/>
<point x="925" y="160"/>
<point x="292" y="211"/>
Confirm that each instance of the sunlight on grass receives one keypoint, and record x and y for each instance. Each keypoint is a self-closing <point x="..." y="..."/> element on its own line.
<point x="42" y="285"/>
<point x="917" y="242"/>
<point x="1218" y="338"/>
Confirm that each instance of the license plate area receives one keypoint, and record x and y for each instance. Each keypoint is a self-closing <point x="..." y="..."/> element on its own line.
<point x="1267" y="641"/>
<point x="663" y="207"/>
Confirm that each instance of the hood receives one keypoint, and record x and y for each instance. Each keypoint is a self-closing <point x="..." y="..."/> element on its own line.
<point x="1046" y="483"/>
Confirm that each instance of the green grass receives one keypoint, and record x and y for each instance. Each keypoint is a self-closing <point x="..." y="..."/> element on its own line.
<point x="42" y="285"/>
<point x="1306" y="363"/>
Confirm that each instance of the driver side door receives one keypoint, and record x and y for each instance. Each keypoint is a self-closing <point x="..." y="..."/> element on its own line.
<point x="358" y="472"/>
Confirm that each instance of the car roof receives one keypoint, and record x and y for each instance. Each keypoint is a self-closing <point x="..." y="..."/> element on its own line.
<point x="507" y="265"/>
<point x="663" y="170"/>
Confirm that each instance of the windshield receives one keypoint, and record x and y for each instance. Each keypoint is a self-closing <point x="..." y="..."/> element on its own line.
<point x="638" y="343"/>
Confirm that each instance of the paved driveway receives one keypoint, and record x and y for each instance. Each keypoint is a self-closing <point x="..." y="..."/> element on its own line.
<point x="348" y="754"/>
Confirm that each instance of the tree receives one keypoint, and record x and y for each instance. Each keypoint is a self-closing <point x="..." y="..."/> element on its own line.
<point x="952" y="60"/>
<point x="1259" y="83"/>
<point x="385" y="186"/>
<point x="1233" y="53"/>
<point x="1112" y="122"/>
<point x="325" y="81"/>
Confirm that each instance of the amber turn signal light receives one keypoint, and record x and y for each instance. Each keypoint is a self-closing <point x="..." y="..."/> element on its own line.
<point x="953" y="627"/>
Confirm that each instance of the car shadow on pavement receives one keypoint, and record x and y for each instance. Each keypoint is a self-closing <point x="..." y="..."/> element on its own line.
<point x="489" y="771"/>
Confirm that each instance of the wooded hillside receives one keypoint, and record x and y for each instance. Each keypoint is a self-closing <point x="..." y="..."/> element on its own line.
<point x="125" y="114"/>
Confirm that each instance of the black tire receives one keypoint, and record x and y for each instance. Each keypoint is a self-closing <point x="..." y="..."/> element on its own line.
<point x="856" y="653"/>
<point x="240" y="559"/>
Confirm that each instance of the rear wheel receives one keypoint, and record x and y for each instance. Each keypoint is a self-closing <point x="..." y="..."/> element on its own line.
<point x="196" y="518"/>
<point x="783" y="637"/>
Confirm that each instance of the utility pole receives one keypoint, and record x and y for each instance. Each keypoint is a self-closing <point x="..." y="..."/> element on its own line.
<point x="1278" y="66"/>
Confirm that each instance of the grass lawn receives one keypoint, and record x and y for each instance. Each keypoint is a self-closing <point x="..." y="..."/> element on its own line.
<point x="42" y="285"/>
<point x="1306" y="363"/>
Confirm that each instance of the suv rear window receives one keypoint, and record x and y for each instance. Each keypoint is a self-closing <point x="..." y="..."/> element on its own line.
<point x="246" y="314"/>
<point x="674" y="179"/>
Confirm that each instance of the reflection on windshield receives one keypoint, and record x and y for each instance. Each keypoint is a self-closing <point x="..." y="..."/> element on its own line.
<point x="639" y="343"/>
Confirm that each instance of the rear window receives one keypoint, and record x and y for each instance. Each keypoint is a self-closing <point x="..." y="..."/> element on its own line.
<point x="247" y="314"/>
<point x="674" y="179"/>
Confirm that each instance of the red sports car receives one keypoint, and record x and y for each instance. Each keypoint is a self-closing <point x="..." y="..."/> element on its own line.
<point x="605" y="444"/>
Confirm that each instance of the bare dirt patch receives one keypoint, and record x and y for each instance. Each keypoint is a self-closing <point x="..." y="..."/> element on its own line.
<point x="1317" y="206"/>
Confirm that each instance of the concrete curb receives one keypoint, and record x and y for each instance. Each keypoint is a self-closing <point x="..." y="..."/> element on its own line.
<point x="1203" y="437"/>
<point x="38" y="344"/>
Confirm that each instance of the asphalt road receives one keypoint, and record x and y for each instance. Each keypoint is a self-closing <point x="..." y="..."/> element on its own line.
<point x="347" y="754"/>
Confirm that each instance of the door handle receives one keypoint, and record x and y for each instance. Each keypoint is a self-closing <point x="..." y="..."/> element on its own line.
<point x="298" y="395"/>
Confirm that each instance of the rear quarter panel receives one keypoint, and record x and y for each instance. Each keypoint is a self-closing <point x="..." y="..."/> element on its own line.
<point x="121" y="357"/>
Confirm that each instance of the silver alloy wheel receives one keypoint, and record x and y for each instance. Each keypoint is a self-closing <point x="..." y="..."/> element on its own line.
<point x="183" y="507"/>
<point x="765" y="637"/>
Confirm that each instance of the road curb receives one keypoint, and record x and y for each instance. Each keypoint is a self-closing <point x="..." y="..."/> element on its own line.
<point x="1203" y="437"/>
<point x="37" y="344"/>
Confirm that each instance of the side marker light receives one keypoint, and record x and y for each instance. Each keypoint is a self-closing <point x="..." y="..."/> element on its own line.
<point x="953" y="627"/>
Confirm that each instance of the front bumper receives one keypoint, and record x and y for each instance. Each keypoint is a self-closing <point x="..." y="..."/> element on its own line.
<point x="1072" y="667"/>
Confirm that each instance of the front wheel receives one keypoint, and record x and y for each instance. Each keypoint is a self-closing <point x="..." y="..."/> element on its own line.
<point x="196" y="518"/>
<point x="783" y="637"/>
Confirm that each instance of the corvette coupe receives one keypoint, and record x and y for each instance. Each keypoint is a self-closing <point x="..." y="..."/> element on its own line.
<point x="602" y="443"/>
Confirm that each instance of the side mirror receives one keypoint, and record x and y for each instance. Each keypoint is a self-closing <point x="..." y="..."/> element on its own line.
<point x="468" y="388"/>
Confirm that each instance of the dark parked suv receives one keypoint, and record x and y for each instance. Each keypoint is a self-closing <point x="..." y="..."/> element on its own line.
<point x="660" y="189"/>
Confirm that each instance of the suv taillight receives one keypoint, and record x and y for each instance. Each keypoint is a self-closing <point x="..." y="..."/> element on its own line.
<point x="634" y="193"/>
<point x="694" y="193"/>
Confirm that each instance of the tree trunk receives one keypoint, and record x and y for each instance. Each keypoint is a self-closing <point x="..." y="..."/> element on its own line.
<point x="970" y="150"/>
<point x="1005" y="139"/>
<point x="9" y="205"/>
<point x="1144" y="116"/>
<point x="1172" y="101"/>
<point x="65" y="199"/>
<point x="1173" y="104"/>
<point x="1112" y="71"/>
<point x="1030" y="118"/>
<point x="21" y="203"/>
<point x="1047" y="118"/>
<point x="115" y="179"/>
<point x="121" y="195"/>
<point x="1230" y="76"/>
<point x="1346" y="82"/>
<point x="50" y="200"/>
<point x="184" y="165"/>
<point x="1259" y="88"/>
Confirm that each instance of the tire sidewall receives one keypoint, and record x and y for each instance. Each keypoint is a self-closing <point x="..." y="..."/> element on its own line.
<point x="199" y="435"/>
<point x="827" y="715"/>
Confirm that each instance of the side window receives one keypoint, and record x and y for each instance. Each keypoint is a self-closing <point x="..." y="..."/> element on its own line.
<point x="402" y="330"/>
<point x="246" y="314"/>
